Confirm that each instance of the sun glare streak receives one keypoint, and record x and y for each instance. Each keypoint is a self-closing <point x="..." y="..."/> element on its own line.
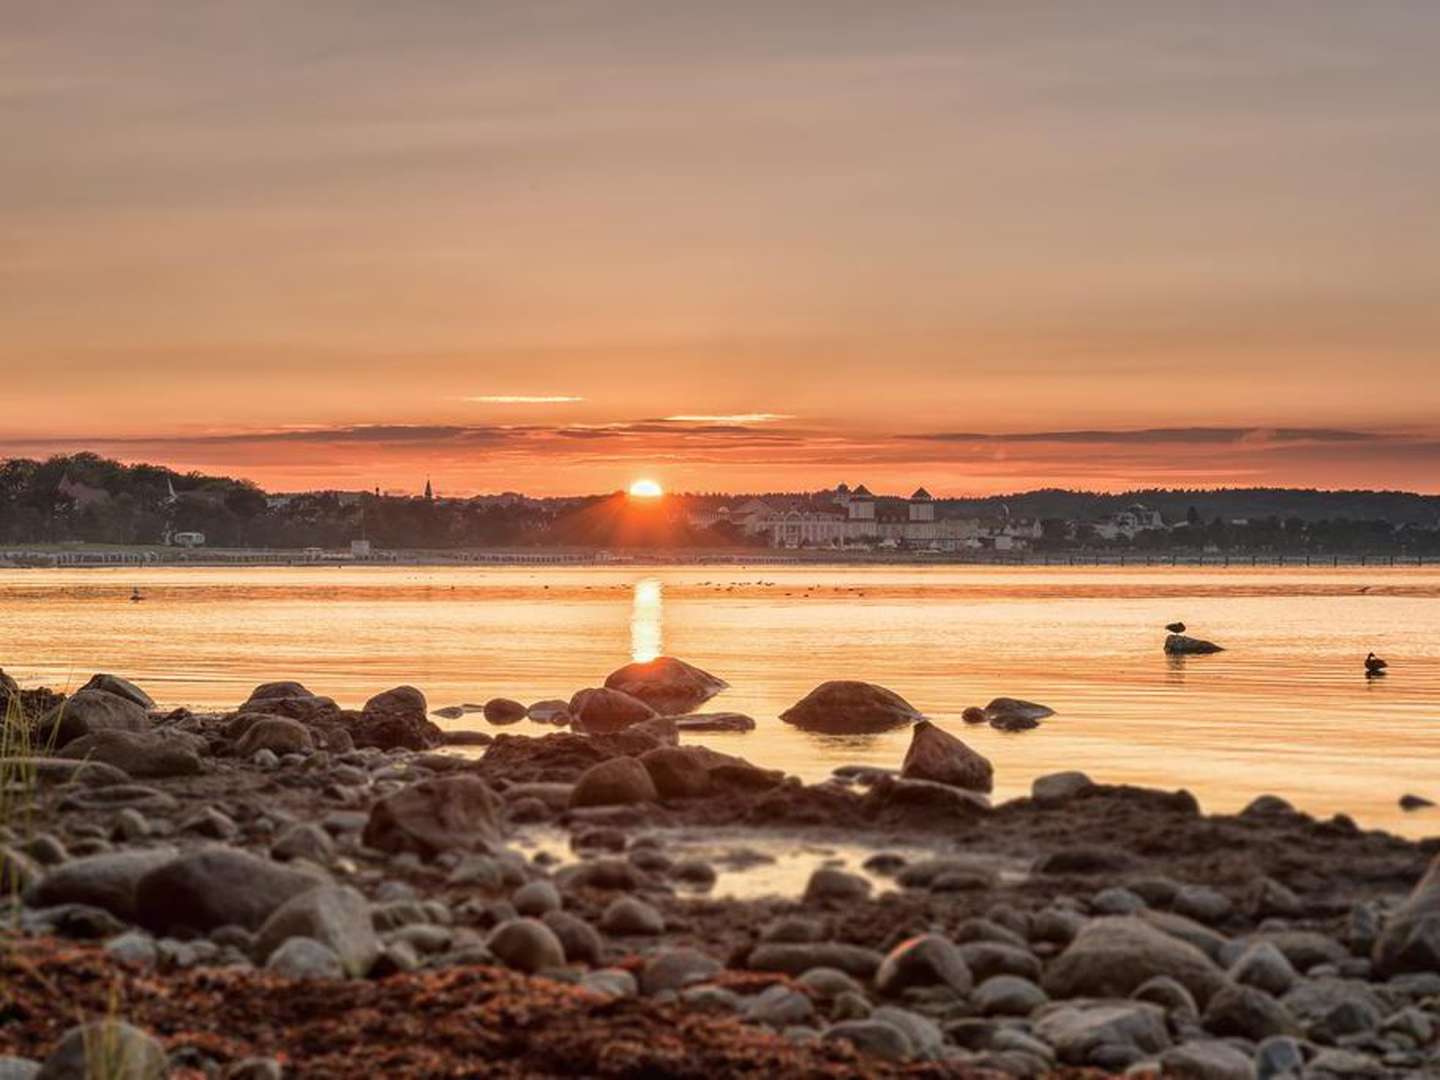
<point x="646" y="489"/>
<point x="646" y="620"/>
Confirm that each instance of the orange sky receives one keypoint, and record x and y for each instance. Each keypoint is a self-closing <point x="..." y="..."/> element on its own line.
<point x="976" y="246"/>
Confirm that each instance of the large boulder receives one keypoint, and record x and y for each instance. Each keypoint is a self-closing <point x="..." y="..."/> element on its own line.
<point x="121" y="687"/>
<point x="1180" y="645"/>
<point x="938" y="756"/>
<point x="603" y="711"/>
<point x="1111" y="957"/>
<point x="617" y="782"/>
<point x="108" y="880"/>
<point x="216" y="886"/>
<point x="142" y="754"/>
<point x="688" y="772"/>
<point x="847" y="707"/>
<point x="667" y="685"/>
<point x="90" y="710"/>
<point x="337" y="916"/>
<point x="446" y="813"/>
<point x="396" y="718"/>
<point x="1411" y="939"/>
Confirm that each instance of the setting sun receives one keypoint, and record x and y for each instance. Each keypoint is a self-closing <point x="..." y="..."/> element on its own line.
<point x="646" y="489"/>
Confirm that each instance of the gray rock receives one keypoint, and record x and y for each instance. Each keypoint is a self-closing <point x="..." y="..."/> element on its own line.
<point x="927" y="960"/>
<point x="1170" y="996"/>
<point x="1007" y="995"/>
<point x="778" y="1006"/>
<point x="1336" y="1064"/>
<point x="141" y="754"/>
<point x="215" y="886"/>
<point x="1411" y="939"/>
<point x="1248" y="1013"/>
<point x="550" y="711"/>
<point x="134" y="948"/>
<point x="107" y="1048"/>
<point x="831" y="883"/>
<point x="1077" y="1030"/>
<point x="674" y="968"/>
<point x="305" y="958"/>
<point x="581" y="941"/>
<point x="536" y="898"/>
<point x="1112" y="956"/>
<point x="131" y="825"/>
<point x="15" y="1068"/>
<point x="526" y="945"/>
<point x="829" y="983"/>
<point x="716" y="721"/>
<point x="280" y="735"/>
<point x="446" y="813"/>
<point x="795" y="959"/>
<point x="618" y="781"/>
<point x="630" y="915"/>
<point x="18" y="872"/>
<point x="1052" y="789"/>
<point x="604" y="711"/>
<point x="1264" y="966"/>
<point x="105" y="881"/>
<point x="1268" y="898"/>
<point x="86" y="711"/>
<point x="926" y="1038"/>
<point x="987" y="958"/>
<point x="306" y="841"/>
<point x="336" y="916"/>
<point x="1277" y="1056"/>
<point x="1209" y="1059"/>
<point x="1116" y="900"/>
<point x="1201" y="903"/>
<point x="872" y="1037"/>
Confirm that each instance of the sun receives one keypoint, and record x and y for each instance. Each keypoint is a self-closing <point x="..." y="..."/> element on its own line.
<point x="646" y="489"/>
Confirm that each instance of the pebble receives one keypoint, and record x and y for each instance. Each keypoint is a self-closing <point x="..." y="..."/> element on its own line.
<point x="828" y="883"/>
<point x="1007" y="995"/>
<point x="779" y="1006"/>
<point x="536" y="898"/>
<point x="630" y="915"/>
<point x="526" y="945"/>
<point x="305" y="958"/>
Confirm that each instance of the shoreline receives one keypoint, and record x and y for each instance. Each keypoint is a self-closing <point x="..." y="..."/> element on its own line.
<point x="173" y="859"/>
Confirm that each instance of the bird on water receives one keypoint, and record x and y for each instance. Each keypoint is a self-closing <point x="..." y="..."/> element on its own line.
<point x="1374" y="666"/>
<point x="1175" y="627"/>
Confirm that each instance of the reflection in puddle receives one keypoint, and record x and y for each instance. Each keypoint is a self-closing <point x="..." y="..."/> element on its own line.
<point x="646" y="620"/>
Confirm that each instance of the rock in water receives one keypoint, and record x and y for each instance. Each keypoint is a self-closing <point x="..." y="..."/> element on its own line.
<point x="1415" y="802"/>
<point x="1180" y="645"/>
<point x="446" y="813"/>
<point x="1411" y="939"/>
<point x="617" y="782"/>
<point x="716" y="721"/>
<point x="604" y="711"/>
<point x="1013" y="714"/>
<point x="667" y="685"/>
<point x="1111" y="957"/>
<point x="114" y="684"/>
<point x="939" y="756"/>
<point x="550" y="711"/>
<point x="90" y="710"/>
<point x="142" y="754"/>
<point x="213" y="887"/>
<point x="504" y="711"/>
<point x="397" y="718"/>
<point x="846" y="707"/>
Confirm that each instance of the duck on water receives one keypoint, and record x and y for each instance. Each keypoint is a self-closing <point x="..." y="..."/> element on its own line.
<point x="1374" y="666"/>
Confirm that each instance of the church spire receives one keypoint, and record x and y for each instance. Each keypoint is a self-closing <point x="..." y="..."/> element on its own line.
<point x="429" y="491"/>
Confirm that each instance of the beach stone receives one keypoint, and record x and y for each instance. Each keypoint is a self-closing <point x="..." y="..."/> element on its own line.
<point x="396" y="718"/>
<point x="796" y="958"/>
<point x="279" y="735"/>
<point x="1214" y="945"/>
<point x="1264" y="967"/>
<point x="848" y="707"/>
<point x="1112" y="956"/>
<point x="923" y="800"/>
<point x="504" y="711"/>
<point x="1055" y="788"/>
<point x="536" y="898"/>
<point x="59" y="770"/>
<point x="140" y="754"/>
<point x="1181" y="645"/>
<point x="1410" y="940"/>
<point x="306" y="841"/>
<point x="926" y="1039"/>
<point x="211" y="823"/>
<point x="1278" y="1056"/>
<point x="715" y="721"/>
<point x="832" y="883"/>
<point x="127" y="1053"/>
<point x="134" y="948"/>
<point x="444" y="813"/>
<point x="581" y="941"/>
<point x="1268" y="898"/>
<point x="18" y="871"/>
<point x="215" y="886"/>
<point x="1208" y="1059"/>
<point x="675" y="968"/>
<point x="661" y="729"/>
<point x="665" y="684"/>
<point x="1201" y="903"/>
<point x="872" y="1037"/>
<point x="685" y="772"/>
<point x="926" y="872"/>
<point x="254" y="1068"/>
<point x="1007" y="995"/>
<point x="829" y="983"/>
<point x="1116" y="900"/>
<point x="1170" y="996"/>
<point x="305" y="958"/>
<point x="550" y="711"/>
<point x="131" y="825"/>
<point x="926" y="960"/>
<point x="617" y="782"/>
<point x="15" y="1068"/>
<point x="1337" y="1064"/>
<point x="604" y="711"/>
<point x="611" y="983"/>
<point x="121" y="687"/>
<point x="1306" y="949"/>
<point x="87" y="711"/>
<point x="336" y="916"/>
<point x="108" y="881"/>
<point x="1333" y="1004"/>
<point x="630" y="915"/>
<point x="1248" y="1013"/>
<point x="941" y="758"/>
<point x="987" y="958"/>
<point x="1077" y="1031"/>
<point x="1015" y="714"/>
<point x="778" y="1006"/>
<point x="526" y="945"/>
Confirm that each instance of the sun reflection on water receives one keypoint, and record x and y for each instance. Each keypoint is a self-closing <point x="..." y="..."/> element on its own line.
<point x="646" y="620"/>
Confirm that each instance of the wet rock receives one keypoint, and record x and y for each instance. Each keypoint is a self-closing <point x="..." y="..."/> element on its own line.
<point x="449" y="712"/>
<point x="617" y="782"/>
<point x="396" y="718"/>
<point x="446" y="813"/>
<point x="1248" y="1013"/>
<point x="1333" y="1007"/>
<point x="1082" y="859"/>
<point x="604" y="711"/>
<point x="107" y="881"/>
<point x="121" y="687"/>
<point x="845" y="707"/>
<point x="694" y="873"/>
<point x="305" y="958"/>
<point x="1209" y="1059"/>
<point x="526" y="945"/>
<point x="662" y="729"/>
<point x="715" y="721"/>
<point x="1411" y="939"/>
<point x="1112" y="956"/>
<point x="279" y="735"/>
<point x="672" y="969"/>
<point x="630" y="915"/>
<point x="581" y="941"/>
<point x="1014" y="714"/>
<point x="1052" y="789"/>
<point x="940" y="757"/>
<point x="831" y="883"/>
<point x="667" y="685"/>
<point x="914" y="802"/>
<point x="1181" y="645"/>
<point x="88" y="711"/>
<point x="1078" y="1031"/>
<point x="336" y="916"/>
<point x="1007" y="995"/>
<point x="127" y="1053"/>
<point x="550" y="711"/>
<point x="504" y="711"/>
<point x="1337" y="1064"/>
<point x="927" y="960"/>
<point x="1415" y="802"/>
<point x="213" y="887"/>
<point x="926" y="1038"/>
<point x="796" y="958"/>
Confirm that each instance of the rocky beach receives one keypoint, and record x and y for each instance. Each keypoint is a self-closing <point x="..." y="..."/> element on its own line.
<point x="295" y="888"/>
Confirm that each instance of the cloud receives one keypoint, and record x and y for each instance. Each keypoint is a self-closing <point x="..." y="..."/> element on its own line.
<point x="727" y="418"/>
<point x="1161" y="436"/>
<point x="524" y="399"/>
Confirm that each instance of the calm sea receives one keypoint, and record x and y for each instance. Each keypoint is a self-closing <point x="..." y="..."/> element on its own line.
<point x="1286" y="709"/>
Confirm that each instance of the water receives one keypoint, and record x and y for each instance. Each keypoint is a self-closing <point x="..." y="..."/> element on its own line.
<point x="1287" y="709"/>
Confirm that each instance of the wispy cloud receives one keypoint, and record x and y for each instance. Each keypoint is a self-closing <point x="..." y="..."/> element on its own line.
<point x="524" y="399"/>
<point x="727" y="418"/>
<point x="1161" y="436"/>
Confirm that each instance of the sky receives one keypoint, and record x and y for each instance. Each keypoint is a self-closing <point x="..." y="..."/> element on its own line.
<point x="979" y="246"/>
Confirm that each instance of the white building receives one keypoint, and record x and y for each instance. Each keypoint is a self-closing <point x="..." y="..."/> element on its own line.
<point x="855" y="518"/>
<point x="1130" y="522"/>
